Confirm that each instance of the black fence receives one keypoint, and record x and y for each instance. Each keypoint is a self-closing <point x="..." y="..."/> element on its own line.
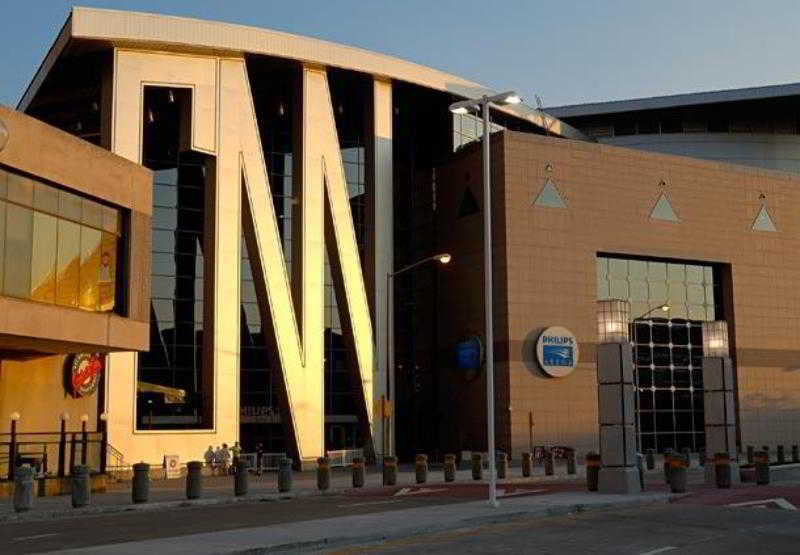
<point x="52" y="453"/>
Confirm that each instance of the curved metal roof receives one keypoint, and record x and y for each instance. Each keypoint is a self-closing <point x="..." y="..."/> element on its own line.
<point x="145" y="30"/>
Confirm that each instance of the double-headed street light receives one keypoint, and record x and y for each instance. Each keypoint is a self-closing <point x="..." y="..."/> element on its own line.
<point x="442" y="258"/>
<point x="482" y="105"/>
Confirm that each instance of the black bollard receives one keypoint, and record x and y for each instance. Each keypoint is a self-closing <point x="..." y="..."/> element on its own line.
<point x="640" y="467"/>
<point x="722" y="470"/>
<point x="80" y="485"/>
<point x="761" y="461"/>
<point x="421" y="468"/>
<point x="194" y="480"/>
<point x="571" y="465"/>
<point x="750" y="454"/>
<point x="765" y="448"/>
<point x="323" y="474"/>
<point x="651" y="459"/>
<point x="389" y="471"/>
<point x="701" y="456"/>
<point x="781" y="455"/>
<point x="795" y="454"/>
<point x="501" y="462"/>
<point x="477" y="466"/>
<point x="23" y="488"/>
<point x="140" y="490"/>
<point x="549" y="463"/>
<point x="527" y="464"/>
<point x="358" y="472"/>
<point x="678" y="473"/>
<point x="285" y="475"/>
<point x="241" y="480"/>
<point x="592" y="471"/>
<point x="449" y="468"/>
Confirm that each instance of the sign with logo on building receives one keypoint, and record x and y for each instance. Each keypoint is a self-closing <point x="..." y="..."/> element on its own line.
<point x="469" y="354"/>
<point x="173" y="465"/>
<point x="84" y="374"/>
<point x="557" y="351"/>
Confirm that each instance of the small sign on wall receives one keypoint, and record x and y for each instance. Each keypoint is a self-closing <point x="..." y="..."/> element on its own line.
<point x="557" y="351"/>
<point x="173" y="466"/>
<point x="84" y="374"/>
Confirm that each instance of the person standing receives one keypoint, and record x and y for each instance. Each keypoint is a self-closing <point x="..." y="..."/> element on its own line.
<point x="259" y="453"/>
<point x="209" y="457"/>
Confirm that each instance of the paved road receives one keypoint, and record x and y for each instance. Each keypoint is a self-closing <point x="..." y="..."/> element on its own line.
<point x="650" y="530"/>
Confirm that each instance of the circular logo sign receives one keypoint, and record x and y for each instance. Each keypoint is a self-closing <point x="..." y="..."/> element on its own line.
<point x="85" y="374"/>
<point x="557" y="351"/>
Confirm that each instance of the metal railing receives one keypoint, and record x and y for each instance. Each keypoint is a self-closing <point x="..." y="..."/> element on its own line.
<point x="344" y="457"/>
<point x="51" y="453"/>
<point x="269" y="461"/>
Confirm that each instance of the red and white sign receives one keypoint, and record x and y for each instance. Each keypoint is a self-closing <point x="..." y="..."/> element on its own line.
<point x="85" y="373"/>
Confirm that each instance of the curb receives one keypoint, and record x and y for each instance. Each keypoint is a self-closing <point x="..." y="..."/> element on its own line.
<point x="461" y="524"/>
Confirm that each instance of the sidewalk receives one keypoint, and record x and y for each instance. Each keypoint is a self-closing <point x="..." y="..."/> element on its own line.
<point x="373" y="527"/>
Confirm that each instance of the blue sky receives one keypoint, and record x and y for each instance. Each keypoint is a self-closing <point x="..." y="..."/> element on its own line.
<point x="566" y="51"/>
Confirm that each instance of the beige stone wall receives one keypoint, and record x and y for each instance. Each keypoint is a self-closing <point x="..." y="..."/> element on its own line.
<point x="547" y="276"/>
<point x="610" y="193"/>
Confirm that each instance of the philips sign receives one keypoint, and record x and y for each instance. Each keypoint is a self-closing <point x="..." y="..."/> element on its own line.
<point x="557" y="351"/>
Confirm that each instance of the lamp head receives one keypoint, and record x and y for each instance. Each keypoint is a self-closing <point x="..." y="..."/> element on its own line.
<point x="84" y="418"/>
<point x="512" y="98"/>
<point x="103" y="416"/>
<point x="65" y="416"/>
<point x="665" y="307"/>
<point x="460" y="110"/>
<point x="444" y="258"/>
<point x="15" y="416"/>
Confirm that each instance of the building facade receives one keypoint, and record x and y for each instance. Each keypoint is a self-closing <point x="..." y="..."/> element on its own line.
<point x="292" y="176"/>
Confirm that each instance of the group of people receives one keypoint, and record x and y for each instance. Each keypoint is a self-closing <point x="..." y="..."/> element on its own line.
<point x="220" y="459"/>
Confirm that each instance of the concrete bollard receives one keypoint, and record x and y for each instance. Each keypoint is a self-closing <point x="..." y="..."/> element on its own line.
<point x="358" y="472"/>
<point x="780" y="455"/>
<point x="640" y="468"/>
<point x="477" y="466"/>
<point x="678" y="473"/>
<point x="194" y="480"/>
<point x="80" y="485"/>
<point x="795" y="454"/>
<point x="323" y="473"/>
<point x="722" y="470"/>
<point x="750" y="454"/>
<point x="527" y="464"/>
<point x="651" y="459"/>
<point x="285" y="475"/>
<point x="23" y="488"/>
<point x="241" y="480"/>
<point x="549" y="463"/>
<point x="421" y="468"/>
<point x="571" y="465"/>
<point x="761" y="462"/>
<point x="389" y="471"/>
<point x="667" y="464"/>
<point x="140" y="490"/>
<point x="449" y="468"/>
<point x="501" y="464"/>
<point x="592" y="470"/>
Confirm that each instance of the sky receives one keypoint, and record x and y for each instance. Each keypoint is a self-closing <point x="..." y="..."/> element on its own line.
<point x="566" y="52"/>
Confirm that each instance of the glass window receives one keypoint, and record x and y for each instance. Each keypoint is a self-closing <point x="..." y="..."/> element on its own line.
<point x="106" y="277"/>
<point x="69" y="206"/>
<point x="92" y="213"/>
<point x="110" y="219"/>
<point x="20" y="189"/>
<point x="19" y="236"/>
<point x="45" y="198"/>
<point x="43" y="258"/>
<point x="69" y="261"/>
<point x="2" y="240"/>
<point x="91" y="240"/>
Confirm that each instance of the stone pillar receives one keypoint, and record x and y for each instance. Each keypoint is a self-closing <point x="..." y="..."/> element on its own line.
<point x="720" y="416"/>
<point x="618" y="473"/>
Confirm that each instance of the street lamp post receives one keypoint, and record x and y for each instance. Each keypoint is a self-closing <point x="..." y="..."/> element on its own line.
<point x="442" y="258"/>
<point x="483" y="104"/>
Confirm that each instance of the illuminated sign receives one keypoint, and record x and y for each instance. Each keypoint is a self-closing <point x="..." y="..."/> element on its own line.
<point x="84" y="374"/>
<point x="557" y="351"/>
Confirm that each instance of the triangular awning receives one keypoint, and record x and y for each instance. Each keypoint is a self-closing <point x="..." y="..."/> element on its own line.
<point x="549" y="196"/>
<point x="763" y="221"/>
<point x="663" y="210"/>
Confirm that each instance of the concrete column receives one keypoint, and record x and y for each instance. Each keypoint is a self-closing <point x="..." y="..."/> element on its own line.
<point x="618" y="473"/>
<point x="720" y="416"/>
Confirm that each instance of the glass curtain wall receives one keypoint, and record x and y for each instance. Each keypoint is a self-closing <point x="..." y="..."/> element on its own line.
<point x="57" y="247"/>
<point x="668" y="346"/>
<point x="171" y="388"/>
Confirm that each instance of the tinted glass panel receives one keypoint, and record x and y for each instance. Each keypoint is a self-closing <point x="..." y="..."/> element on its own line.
<point x="90" y="266"/>
<point x="68" y="265"/>
<point x="43" y="263"/>
<point x="19" y="239"/>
